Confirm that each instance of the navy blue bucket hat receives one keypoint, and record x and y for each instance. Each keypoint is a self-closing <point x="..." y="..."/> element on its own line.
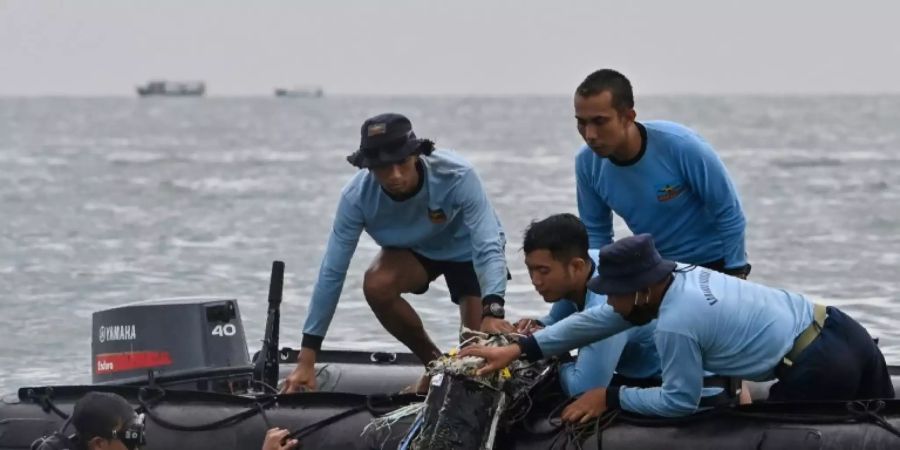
<point x="387" y="139"/>
<point x="629" y="265"/>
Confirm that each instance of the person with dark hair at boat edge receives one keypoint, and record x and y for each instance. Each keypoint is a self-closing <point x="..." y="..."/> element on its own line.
<point x="706" y="320"/>
<point x="102" y="421"/>
<point x="428" y="211"/>
<point x="661" y="177"/>
<point x="275" y="440"/>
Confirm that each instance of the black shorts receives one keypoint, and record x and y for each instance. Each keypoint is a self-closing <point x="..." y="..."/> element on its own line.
<point x="460" y="277"/>
<point x="719" y="266"/>
<point x="842" y="363"/>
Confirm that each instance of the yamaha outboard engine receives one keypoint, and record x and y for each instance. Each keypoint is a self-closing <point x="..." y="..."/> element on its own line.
<point x="183" y="343"/>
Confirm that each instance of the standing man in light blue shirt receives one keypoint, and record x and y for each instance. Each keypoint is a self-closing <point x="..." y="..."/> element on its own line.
<point x="708" y="321"/>
<point x="428" y="211"/>
<point x="661" y="177"/>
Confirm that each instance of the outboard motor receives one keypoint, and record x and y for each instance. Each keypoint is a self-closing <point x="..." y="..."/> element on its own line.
<point x="183" y="343"/>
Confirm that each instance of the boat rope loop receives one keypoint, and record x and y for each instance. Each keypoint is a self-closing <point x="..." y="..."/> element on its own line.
<point x="869" y="410"/>
<point x="147" y="405"/>
<point x="45" y="399"/>
<point x="576" y="434"/>
<point x="316" y="426"/>
<point x="376" y="404"/>
<point x="262" y="413"/>
<point x="859" y="411"/>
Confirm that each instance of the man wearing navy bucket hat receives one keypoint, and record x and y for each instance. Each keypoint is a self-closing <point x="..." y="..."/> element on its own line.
<point x="708" y="321"/>
<point x="428" y="211"/>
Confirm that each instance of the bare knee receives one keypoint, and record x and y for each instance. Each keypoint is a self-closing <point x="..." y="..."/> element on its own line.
<point x="745" y="397"/>
<point x="380" y="287"/>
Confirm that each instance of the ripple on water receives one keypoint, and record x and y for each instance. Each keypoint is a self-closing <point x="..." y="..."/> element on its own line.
<point x="114" y="201"/>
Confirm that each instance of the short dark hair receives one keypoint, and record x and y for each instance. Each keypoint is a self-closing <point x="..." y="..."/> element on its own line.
<point x="608" y="80"/>
<point x="562" y="234"/>
<point x="99" y="413"/>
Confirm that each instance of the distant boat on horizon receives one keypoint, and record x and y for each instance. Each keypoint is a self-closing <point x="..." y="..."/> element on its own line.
<point x="300" y="92"/>
<point x="165" y="88"/>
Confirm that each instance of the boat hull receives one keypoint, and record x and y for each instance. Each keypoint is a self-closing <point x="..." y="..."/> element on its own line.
<point x="353" y="394"/>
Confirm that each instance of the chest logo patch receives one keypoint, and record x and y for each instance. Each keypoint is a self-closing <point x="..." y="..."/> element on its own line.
<point x="668" y="191"/>
<point x="437" y="216"/>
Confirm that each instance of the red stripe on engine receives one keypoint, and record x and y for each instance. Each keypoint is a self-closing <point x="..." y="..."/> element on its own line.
<point x="122" y="362"/>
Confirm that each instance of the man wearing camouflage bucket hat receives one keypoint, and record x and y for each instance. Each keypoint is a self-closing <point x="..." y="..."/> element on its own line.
<point x="428" y="211"/>
<point x="706" y="320"/>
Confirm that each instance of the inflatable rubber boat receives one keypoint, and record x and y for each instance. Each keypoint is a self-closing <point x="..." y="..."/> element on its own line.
<point x="198" y="388"/>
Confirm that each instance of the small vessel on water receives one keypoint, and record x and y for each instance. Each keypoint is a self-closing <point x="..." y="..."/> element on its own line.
<point x="300" y="92"/>
<point x="184" y="364"/>
<point x="163" y="88"/>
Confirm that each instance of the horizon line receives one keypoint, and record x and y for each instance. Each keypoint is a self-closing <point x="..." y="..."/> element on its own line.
<point x="6" y="95"/>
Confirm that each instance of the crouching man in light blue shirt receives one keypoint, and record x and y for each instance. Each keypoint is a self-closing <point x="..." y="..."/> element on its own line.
<point x="708" y="321"/>
<point x="428" y="211"/>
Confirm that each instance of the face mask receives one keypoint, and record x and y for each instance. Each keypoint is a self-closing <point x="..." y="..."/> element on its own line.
<point x="641" y="313"/>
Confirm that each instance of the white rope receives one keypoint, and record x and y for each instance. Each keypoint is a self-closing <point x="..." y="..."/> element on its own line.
<point x="389" y="419"/>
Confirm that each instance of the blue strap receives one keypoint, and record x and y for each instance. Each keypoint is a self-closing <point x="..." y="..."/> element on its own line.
<point x="413" y="430"/>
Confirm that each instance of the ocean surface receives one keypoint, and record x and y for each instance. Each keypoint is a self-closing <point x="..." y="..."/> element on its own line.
<point x="106" y="201"/>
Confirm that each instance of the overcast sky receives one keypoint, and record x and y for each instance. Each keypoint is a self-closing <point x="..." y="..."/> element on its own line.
<point x="385" y="47"/>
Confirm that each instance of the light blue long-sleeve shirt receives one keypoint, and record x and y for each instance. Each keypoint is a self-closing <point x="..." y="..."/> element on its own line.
<point x="707" y="321"/>
<point x="631" y="353"/>
<point x="449" y="219"/>
<point x="678" y="191"/>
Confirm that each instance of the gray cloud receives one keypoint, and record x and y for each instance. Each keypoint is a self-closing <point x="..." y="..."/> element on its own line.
<point x="93" y="47"/>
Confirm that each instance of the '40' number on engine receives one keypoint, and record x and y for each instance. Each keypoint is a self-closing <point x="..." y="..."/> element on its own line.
<point x="224" y="330"/>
